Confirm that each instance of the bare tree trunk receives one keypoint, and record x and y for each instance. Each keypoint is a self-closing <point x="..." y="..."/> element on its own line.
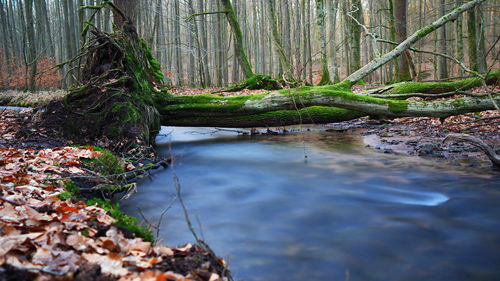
<point x="481" y="44"/>
<point x="309" y="47"/>
<point x="32" y="52"/>
<point x="400" y="26"/>
<point x="6" y="47"/>
<point x="355" y="35"/>
<point x="245" y="66"/>
<point x="334" y="6"/>
<point x="346" y="35"/>
<point x="286" y="38"/>
<point x="263" y="40"/>
<point x="321" y="12"/>
<point x="277" y="40"/>
<point x="442" y="44"/>
<point x="460" y="39"/>
<point x="177" y="44"/>
<point x="472" y="39"/>
<point x="128" y="6"/>
<point x="204" y="45"/>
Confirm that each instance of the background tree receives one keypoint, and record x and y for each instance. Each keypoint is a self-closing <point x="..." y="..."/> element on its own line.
<point x="400" y="27"/>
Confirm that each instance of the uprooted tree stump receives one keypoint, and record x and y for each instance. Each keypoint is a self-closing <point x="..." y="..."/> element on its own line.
<point x="116" y="96"/>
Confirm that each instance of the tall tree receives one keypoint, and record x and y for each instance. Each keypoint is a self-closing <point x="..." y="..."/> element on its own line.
<point x="204" y="45"/>
<point x="472" y="39"/>
<point x="6" y="47"/>
<point x="32" y="51"/>
<point x="355" y="19"/>
<point x="321" y="12"/>
<point x="284" y="60"/>
<point x="400" y="27"/>
<point x="459" y="53"/>
<point x="481" y="44"/>
<point x="286" y="27"/>
<point x="334" y="5"/>
<point x="442" y="44"/>
<point x="68" y="36"/>
<point x="177" y="44"/>
<point x="245" y="66"/>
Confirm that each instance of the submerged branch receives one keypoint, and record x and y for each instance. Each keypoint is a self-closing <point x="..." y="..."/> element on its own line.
<point x="490" y="152"/>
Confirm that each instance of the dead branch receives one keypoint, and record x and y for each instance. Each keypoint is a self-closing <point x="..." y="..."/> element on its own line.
<point x="490" y="152"/>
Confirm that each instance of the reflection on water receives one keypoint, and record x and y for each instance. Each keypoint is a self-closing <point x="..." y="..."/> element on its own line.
<point x="342" y="212"/>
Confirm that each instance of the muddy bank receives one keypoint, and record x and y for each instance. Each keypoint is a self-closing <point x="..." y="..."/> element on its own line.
<point x="423" y="137"/>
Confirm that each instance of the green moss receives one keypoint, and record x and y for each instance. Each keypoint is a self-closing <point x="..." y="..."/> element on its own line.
<point x="346" y="85"/>
<point x="426" y="30"/>
<point x="64" y="196"/>
<point x="398" y="106"/>
<point x="105" y="164"/>
<point x="256" y="82"/>
<point x="72" y="191"/>
<point x="123" y="220"/>
<point x="309" y="115"/>
<point x="458" y="103"/>
<point x="154" y="65"/>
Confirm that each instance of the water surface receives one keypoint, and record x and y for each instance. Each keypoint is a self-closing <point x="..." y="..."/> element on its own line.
<point x="320" y="206"/>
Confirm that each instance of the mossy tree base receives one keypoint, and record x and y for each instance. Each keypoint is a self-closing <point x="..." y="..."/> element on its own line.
<point x="116" y="95"/>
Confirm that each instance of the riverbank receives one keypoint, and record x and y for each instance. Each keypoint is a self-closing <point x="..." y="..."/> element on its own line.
<point x="423" y="136"/>
<point x="54" y="228"/>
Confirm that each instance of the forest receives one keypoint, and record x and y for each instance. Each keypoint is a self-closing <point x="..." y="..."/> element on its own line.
<point x="200" y="52"/>
<point x="313" y="139"/>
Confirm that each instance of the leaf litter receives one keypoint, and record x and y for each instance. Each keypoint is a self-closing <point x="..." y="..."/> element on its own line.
<point x="45" y="238"/>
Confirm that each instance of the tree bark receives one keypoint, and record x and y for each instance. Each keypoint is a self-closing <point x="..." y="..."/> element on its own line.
<point x="333" y="42"/>
<point x="32" y="52"/>
<point x="442" y="44"/>
<point x="355" y="36"/>
<point x="472" y="39"/>
<point x="400" y="26"/>
<point x="459" y="40"/>
<point x="6" y="47"/>
<point x="127" y="6"/>
<point x="321" y="12"/>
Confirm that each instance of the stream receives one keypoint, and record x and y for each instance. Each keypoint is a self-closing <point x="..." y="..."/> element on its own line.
<point x="320" y="206"/>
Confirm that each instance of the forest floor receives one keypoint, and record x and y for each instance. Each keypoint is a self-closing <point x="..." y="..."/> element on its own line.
<point x="46" y="233"/>
<point x="50" y="229"/>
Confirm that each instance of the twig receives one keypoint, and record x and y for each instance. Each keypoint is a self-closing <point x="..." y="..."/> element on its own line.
<point x="367" y="31"/>
<point x="186" y="214"/>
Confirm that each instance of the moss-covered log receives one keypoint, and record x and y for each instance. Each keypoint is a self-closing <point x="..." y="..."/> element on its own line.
<point x="118" y="96"/>
<point x="303" y="105"/>
<point x="408" y="88"/>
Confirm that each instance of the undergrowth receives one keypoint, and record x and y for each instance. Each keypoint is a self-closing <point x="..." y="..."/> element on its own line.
<point x="123" y="220"/>
<point x="110" y="166"/>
